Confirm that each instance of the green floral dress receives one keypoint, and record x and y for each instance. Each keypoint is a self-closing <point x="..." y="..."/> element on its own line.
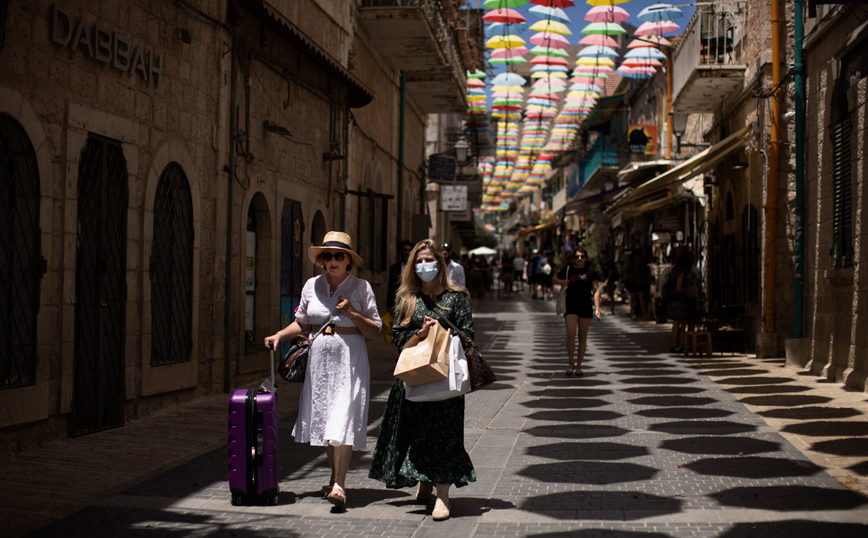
<point x="424" y="441"/>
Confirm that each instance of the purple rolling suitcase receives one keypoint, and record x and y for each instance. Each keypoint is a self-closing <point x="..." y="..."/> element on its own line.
<point x="253" y="444"/>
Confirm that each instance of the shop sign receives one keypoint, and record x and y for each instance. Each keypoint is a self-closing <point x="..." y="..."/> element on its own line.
<point x="453" y="197"/>
<point x="105" y="45"/>
<point x="642" y="139"/>
<point x="441" y="168"/>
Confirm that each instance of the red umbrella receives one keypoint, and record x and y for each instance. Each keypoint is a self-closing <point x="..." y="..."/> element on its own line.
<point x="504" y="15"/>
<point x="553" y="3"/>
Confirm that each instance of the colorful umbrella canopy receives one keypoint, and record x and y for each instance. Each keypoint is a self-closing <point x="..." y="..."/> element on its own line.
<point x="607" y="13"/>
<point x="649" y="41"/>
<point x="546" y="51"/>
<point x="504" y="15"/>
<point x="504" y="42"/>
<point x="549" y="60"/>
<point x="509" y="53"/>
<point x="476" y="74"/>
<point x="599" y="50"/>
<point x="475" y="83"/>
<point x="508" y="79"/>
<point x="544" y="70"/>
<point x="500" y="28"/>
<point x="553" y="27"/>
<point x="551" y="40"/>
<point x="656" y="28"/>
<point x="641" y="61"/>
<point x="594" y="60"/>
<point x="554" y="3"/>
<point x="550" y="13"/>
<point x="598" y="39"/>
<point x="603" y="2"/>
<point x="646" y="52"/>
<point x="501" y="4"/>
<point x="659" y="12"/>
<point x="604" y="28"/>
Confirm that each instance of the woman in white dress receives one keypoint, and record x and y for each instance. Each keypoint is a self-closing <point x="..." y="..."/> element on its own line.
<point x="333" y="406"/>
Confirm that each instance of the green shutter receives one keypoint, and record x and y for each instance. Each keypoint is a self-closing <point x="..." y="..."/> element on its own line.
<point x="842" y="222"/>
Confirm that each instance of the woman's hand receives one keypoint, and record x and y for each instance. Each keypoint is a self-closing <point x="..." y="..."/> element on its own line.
<point x="345" y="307"/>
<point x="427" y="323"/>
<point x="272" y="341"/>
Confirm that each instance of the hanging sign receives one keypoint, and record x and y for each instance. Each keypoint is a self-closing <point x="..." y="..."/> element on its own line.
<point x="453" y="197"/>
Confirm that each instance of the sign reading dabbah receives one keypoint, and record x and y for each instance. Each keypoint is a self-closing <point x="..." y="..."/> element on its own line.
<point x="105" y="45"/>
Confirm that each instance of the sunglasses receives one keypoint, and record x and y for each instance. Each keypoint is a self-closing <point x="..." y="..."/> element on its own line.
<point x="338" y="256"/>
<point x="580" y="256"/>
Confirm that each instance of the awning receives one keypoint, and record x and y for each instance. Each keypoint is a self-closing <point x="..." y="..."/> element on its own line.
<point x="358" y="95"/>
<point x="693" y="166"/>
<point x="637" y="171"/>
<point x="577" y="206"/>
<point x="533" y="229"/>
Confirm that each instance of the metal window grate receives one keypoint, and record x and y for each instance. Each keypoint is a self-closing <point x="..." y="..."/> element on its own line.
<point x="842" y="220"/>
<point x="171" y="269"/>
<point x="4" y="18"/>
<point x="20" y="263"/>
<point x="100" y="288"/>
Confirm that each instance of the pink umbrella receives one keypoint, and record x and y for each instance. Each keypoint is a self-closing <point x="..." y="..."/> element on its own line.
<point x="475" y="83"/>
<point x="646" y="42"/>
<point x="509" y="53"/>
<point x="607" y="14"/>
<point x="656" y="28"/>
<point x="549" y="60"/>
<point x="641" y="62"/>
<point x="587" y="80"/>
<point x="592" y="69"/>
<point x="548" y="39"/>
<point x="598" y="39"/>
<point x="638" y="70"/>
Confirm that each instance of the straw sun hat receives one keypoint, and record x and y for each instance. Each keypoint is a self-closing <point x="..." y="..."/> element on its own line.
<point x="334" y="241"/>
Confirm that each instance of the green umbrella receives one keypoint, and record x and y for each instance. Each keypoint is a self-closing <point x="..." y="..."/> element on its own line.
<point x="548" y="51"/>
<point x="604" y="28"/>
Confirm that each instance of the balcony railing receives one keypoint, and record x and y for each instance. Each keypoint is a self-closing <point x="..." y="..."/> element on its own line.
<point x="601" y="162"/>
<point x="708" y="62"/>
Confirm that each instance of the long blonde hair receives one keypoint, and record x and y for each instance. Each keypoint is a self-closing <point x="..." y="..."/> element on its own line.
<point x="411" y="284"/>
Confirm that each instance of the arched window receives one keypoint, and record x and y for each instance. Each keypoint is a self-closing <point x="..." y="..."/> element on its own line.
<point x="21" y="265"/>
<point x="257" y="285"/>
<point x="750" y="254"/>
<point x="171" y="269"/>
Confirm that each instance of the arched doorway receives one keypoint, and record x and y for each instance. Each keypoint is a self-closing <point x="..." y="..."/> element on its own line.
<point x="100" y="287"/>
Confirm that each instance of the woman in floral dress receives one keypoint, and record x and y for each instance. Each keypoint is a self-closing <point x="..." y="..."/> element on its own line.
<point x="423" y="442"/>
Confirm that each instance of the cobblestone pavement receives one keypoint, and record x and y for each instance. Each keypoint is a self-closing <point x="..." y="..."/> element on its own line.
<point x="645" y="445"/>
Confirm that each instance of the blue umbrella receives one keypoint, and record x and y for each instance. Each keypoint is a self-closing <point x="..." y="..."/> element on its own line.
<point x="646" y="53"/>
<point x="599" y="50"/>
<point x="585" y="88"/>
<point x="549" y="68"/>
<point x="551" y="13"/>
<point x="503" y="28"/>
<point x="659" y="12"/>
<point x="508" y="79"/>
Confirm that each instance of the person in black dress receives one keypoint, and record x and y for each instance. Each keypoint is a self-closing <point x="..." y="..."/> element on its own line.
<point x="583" y="302"/>
<point x="423" y="442"/>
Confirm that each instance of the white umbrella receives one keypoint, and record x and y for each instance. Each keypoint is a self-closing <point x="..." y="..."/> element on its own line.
<point x="482" y="251"/>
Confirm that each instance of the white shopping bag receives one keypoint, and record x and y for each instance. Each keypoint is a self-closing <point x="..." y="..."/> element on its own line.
<point x="455" y="384"/>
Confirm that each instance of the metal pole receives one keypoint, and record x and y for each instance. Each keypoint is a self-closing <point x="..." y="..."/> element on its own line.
<point x="668" y="103"/>
<point x="799" y="70"/>
<point x="401" y="223"/>
<point x="227" y="289"/>
<point x="771" y="206"/>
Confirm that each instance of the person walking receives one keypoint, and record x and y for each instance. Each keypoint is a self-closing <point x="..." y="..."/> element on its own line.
<point x="518" y="265"/>
<point x="507" y="274"/>
<point x="609" y="275"/>
<point x="423" y="442"/>
<point x="396" y="270"/>
<point x="582" y="288"/>
<point x="455" y="269"/>
<point x="333" y="405"/>
<point x="684" y="279"/>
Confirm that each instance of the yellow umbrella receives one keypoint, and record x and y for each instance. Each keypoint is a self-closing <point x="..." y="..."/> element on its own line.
<point x="554" y="74"/>
<point x="592" y="60"/>
<point x="554" y="27"/>
<point x="596" y="3"/>
<point x="504" y="42"/>
<point x="510" y="89"/>
<point x="472" y="98"/>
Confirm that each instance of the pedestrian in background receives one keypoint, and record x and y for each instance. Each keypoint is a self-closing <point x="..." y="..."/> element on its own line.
<point x="423" y="442"/>
<point x="455" y="269"/>
<point x="518" y="264"/>
<point x="609" y="275"/>
<point x="396" y="270"/>
<point x="507" y="274"/>
<point x="333" y="405"/>
<point x="583" y="303"/>
<point x="637" y="280"/>
<point x="682" y="308"/>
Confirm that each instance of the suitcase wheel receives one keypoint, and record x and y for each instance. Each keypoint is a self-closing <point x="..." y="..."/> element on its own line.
<point x="235" y="499"/>
<point x="273" y="500"/>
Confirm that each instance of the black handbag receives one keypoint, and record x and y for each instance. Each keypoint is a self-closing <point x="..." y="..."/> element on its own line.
<point x="481" y="373"/>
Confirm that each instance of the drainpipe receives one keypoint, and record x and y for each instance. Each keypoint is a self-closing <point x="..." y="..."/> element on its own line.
<point x="771" y="206"/>
<point x="799" y="70"/>
<point x="227" y="290"/>
<point x="668" y="103"/>
<point x="401" y="115"/>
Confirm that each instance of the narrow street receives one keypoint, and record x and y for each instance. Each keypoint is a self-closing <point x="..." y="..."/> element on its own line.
<point x="646" y="444"/>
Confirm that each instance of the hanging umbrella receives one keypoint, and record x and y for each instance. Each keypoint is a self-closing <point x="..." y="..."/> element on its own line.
<point x="659" y="12"/>
<point x="502" y="4"/>
<point x="603" y="2"/>
<point x="545" y="70"/>
<point x="508" y="61"/>
<point x="551" y="83"/>
<point x="599" y="50"/>
<point x="508" y="79"/>
<point x="504" y="42"/>
<point x="554" y="3"/>
<point x="598" y="39"/>
<point x="476" y="74"/>
<point x="509" y="53"/>
<point x="504" y="15"/>
<point x="551" y="13"/>
<point x="594" y="81"/>
<point x="607" y="14"/>
<point x="649" y="41"/>
<point x="549" y="60"/>
<point x="585" y="87"/>
<point x="605" y="28"/>
<point x="500" y="28"/>
<point x="646" y="52"/>
<point x="656" y="28"/>
<point x="475" y="83"/>
<point x="553" y="27"/>
<point x="549" y="39"/>
<point x="594" y="60"/>
<point x="547" y="51"/>
<point x="639" y="62"/>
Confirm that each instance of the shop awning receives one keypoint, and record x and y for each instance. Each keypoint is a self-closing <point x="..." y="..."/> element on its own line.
<point x="358" y="95"/>
<point x="579" y="205"/>
<point x="539" y="228"/>
<point x="693" y="166"/>
<point x="637" y="171"/>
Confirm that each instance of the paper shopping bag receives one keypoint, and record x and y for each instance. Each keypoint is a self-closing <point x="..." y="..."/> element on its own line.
<point x="424" y="361"/>
<point x="455" y="384"/>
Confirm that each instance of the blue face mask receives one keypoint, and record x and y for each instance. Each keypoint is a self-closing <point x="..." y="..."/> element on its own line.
<point x="426" y="271"/>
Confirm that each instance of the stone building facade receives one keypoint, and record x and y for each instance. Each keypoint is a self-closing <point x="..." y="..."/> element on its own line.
<point x="166" y="165"/>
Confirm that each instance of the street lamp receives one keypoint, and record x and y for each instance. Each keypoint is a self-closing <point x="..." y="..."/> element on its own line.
<point x="679" y="125"/>
<point x="461" y="148"/>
